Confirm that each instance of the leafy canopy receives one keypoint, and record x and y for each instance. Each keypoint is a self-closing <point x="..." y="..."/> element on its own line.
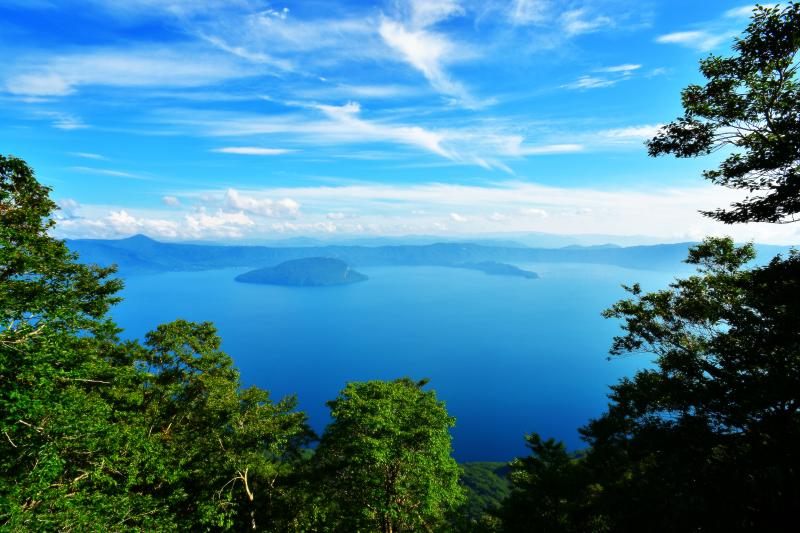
<point x="751" y="105"/>
<point x="385" y="458"/>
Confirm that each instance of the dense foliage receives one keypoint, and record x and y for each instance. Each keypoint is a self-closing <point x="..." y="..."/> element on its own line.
<point x="385" y="458"/>
<point x="751" y="105"/>
<point x="104" y="435"/>
<point x="705" y="438"/>
<point x="487" y="486"/>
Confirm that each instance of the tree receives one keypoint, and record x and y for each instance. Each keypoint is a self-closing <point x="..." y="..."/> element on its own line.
<point x="385" y="459"/>
<point x="103" y="435"/>
<point x="59" y="359"/>
<point x="549" y="491"/>
<point x="706" y="438"/>
<point x="225" y="453"/>
<point x="751" y="104"/>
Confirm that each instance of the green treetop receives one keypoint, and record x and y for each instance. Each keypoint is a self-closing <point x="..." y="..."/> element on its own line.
<point x="750" y="105"/>
<point x="385" y="458"/>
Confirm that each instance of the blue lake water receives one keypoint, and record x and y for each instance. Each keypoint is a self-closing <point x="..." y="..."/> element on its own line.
<point x="508" y="355"/>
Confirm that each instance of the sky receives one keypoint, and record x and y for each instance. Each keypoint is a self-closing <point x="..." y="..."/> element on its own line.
<point x="246" y="120"/>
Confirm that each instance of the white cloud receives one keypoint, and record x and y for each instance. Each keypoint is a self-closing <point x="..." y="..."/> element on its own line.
<point x="551" y="149"/>
<point x="631" y="133"/>
<point x="285" y="208"/>
<point x="533" y="212"/>
<point x="698" y="39"/>
<point x="579" y="21"/>
<point x="744" y="11"/>
<point x="219" y="224"/>
<point x="336" y="216"/>
<point x="171" y="201"/>
<point x="628" y="67"/>
<point x="345" y="121"/>
<point x="590" y="82"/>
<point x="137" y="9"/>
<point x="119" y="223"/>
<point x="110" y="172"/>
<point x="88" y="155"/>
<point x="667" y="213"/>
<point x="133" y="67"/>
<point x="426" y="51"/>
<point x="524" y="12"/>
<point x="67" y="208"/>
<point x="62" y="121"/>
<point x="251" y="150"/>
<point x="426" y="13"/>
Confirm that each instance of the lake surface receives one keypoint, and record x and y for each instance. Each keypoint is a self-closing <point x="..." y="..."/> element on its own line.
<point x="508" y="355"/>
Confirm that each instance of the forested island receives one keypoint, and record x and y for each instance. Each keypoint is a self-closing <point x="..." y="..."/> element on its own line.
<point x="306" y="272"/>
<point x="159" y="434"/>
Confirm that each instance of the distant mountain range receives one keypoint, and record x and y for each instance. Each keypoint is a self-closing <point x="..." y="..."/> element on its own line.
<point x="141" y="254"/>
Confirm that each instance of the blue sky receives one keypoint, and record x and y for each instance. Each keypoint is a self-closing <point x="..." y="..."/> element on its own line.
<point x="248" y="120"/>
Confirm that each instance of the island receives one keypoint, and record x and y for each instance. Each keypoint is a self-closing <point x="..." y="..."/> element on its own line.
<point x="306" y="272"/>
<point x="499" y="269"/>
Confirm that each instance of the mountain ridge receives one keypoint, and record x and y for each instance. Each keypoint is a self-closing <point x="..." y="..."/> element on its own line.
<point x="142" y="254"/>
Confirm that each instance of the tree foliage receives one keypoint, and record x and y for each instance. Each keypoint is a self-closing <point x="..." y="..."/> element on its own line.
<point x="704" y="438"/>
<point x="99" y="434"/>
<point x="750" y="104"/>
<point x="104" y="435"/>
<point x="57" y="358"/>
<point x="385" y="458"/>
<point x="549" y="491"/>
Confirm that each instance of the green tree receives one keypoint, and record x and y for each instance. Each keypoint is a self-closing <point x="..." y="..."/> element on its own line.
<point x="59" y="361"/>
<point x="706" y="439"/>
<point x="750" y="104"/>
<point x="385" y="459"/>
<point x="225" y="453"/>
<point x="549" y="491"/>
<point x="103" y="435"/>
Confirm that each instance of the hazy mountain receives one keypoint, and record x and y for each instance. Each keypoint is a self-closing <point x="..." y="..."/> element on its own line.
<point x="141" y="254"/>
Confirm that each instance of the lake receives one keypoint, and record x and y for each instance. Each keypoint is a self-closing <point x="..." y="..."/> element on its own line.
<point x="508" y="355"/>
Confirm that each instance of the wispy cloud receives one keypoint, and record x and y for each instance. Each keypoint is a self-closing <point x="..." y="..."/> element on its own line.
<point x="143" y="67"/>
<point x="523" y="12"/>
<point x="580" y="21"/>
<point x="745" y="11"/>
<point x="698" y="39"/>
<point x="711" y="34"/>
<point x="611" y="76"/>
<point x="590" y="82"/>
<point x="252" y="150"/>
<point x="627" y="134"/>
<point x="626" y="68"/>
<point x="89" y="155"/>
<point x="110" y="172"/>
<point x="561" y="21"/>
